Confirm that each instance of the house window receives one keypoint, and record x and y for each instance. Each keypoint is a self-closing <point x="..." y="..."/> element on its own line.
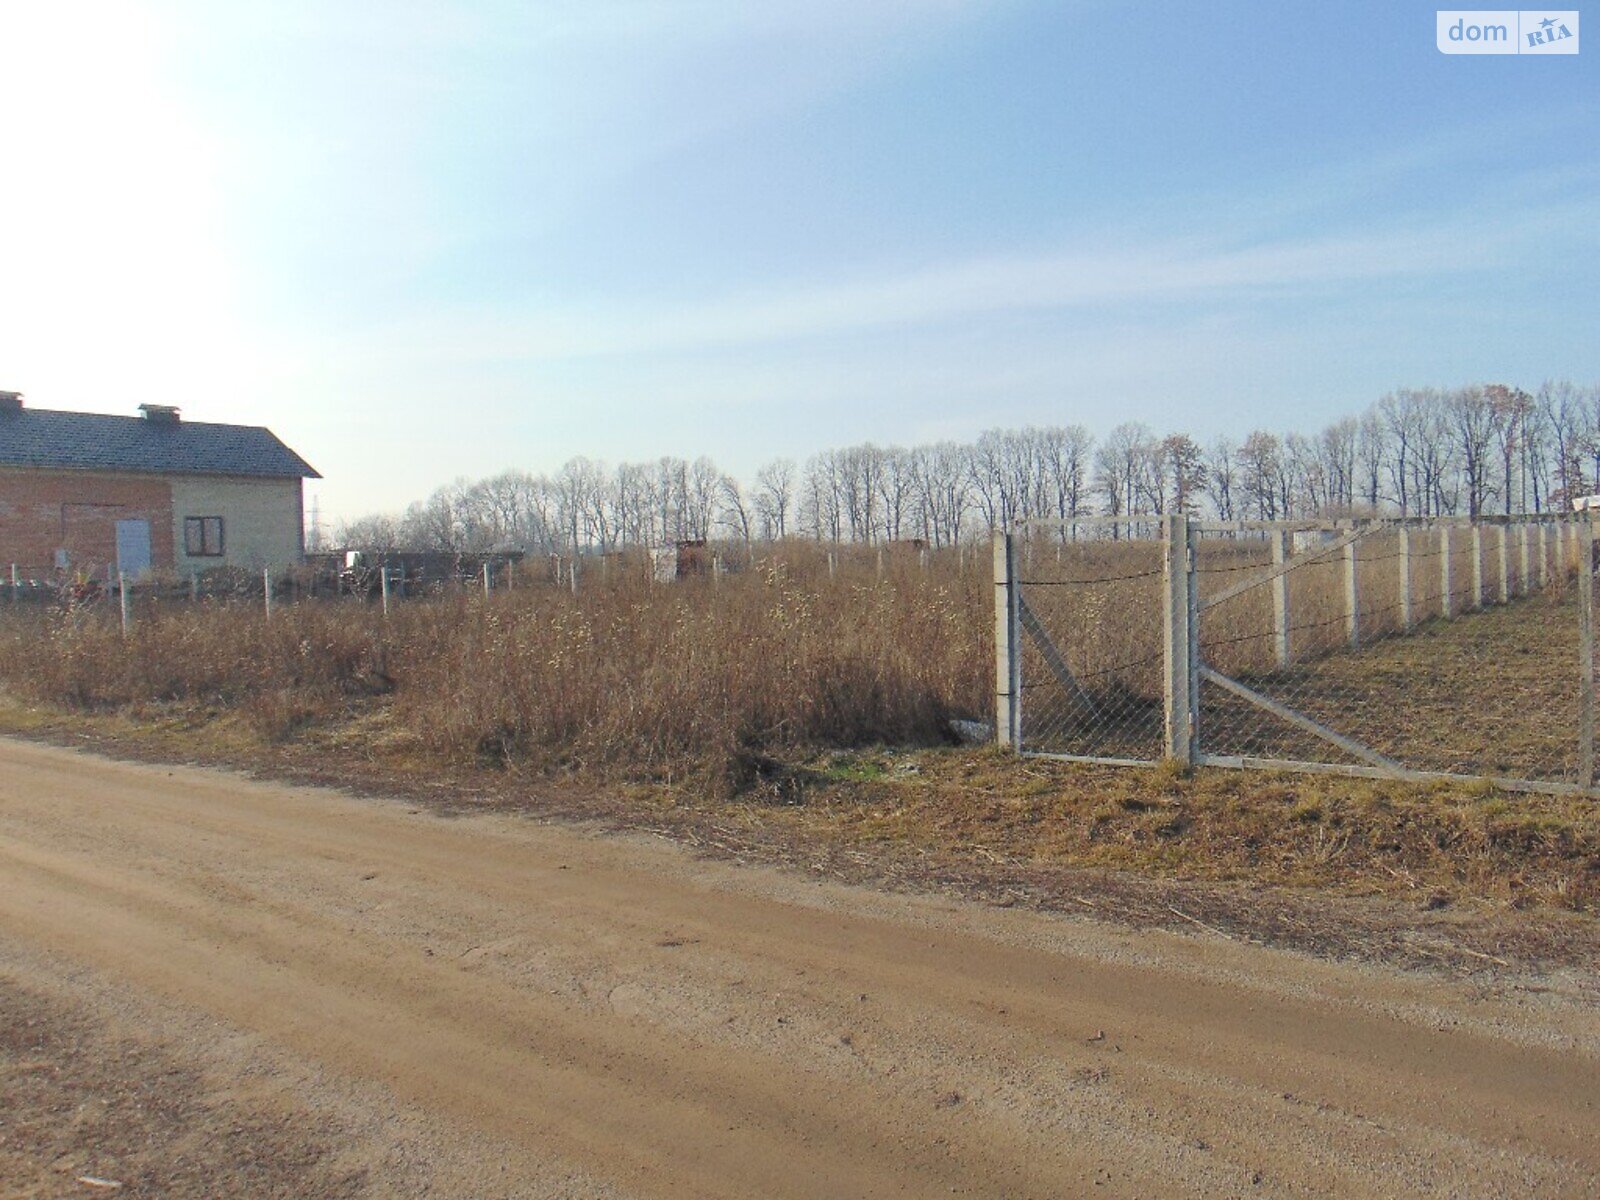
<point x="202" y="537"/>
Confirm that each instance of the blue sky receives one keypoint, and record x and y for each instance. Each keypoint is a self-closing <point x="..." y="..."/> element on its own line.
<point x="423" y="240"/>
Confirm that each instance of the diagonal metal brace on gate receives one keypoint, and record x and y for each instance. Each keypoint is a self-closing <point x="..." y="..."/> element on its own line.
<point x="1283" y="568"/>
<point x="1053" y="657"/>
<point x="1299" y="720"/>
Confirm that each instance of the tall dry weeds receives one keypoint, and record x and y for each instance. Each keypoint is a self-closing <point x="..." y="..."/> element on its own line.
<point x="705" y="677"/>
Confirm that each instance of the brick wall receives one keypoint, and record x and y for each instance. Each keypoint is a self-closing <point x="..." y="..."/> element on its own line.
<point x="42" y="512"/>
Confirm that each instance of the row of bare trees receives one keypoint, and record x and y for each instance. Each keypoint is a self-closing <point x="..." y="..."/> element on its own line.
<point x="1426" y="452"/>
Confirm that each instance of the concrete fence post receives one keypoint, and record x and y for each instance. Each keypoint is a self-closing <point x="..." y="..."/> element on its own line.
<point x="1546" y="575"/>
<point x="266" y="589"/>
<point x="1407" y="618"/>
<point x="1586" y="572"/>
<point x="1504" y="557"/>
<point x="1447" y="601"/>
<point x="1352" y="596"/>
<point x="1280" y="597"/>
<point x="1007" y="644"/>
<point x="1179" y="629"/>
<point x="1525" y="557"/>
<point x="1477" y="565"/>
<point x="383" y="586"/>
<point x="16" y="584"/>
<point x="488" y="578"/>
<point x="123" y="603"/>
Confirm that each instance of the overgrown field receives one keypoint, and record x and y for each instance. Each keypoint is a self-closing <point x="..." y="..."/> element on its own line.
<point x="705" y="677"/>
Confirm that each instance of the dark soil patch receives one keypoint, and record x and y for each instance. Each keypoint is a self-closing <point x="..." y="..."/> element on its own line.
<point x="88" y="1113"/>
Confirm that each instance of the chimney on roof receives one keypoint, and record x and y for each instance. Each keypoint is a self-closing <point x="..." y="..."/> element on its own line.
<point x="10" y="402"/>
<point x="161" y="414"/>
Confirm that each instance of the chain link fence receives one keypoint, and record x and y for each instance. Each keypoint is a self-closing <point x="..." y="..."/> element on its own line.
<point x="1090" y="653"/>
<point x="1384" y="647"/>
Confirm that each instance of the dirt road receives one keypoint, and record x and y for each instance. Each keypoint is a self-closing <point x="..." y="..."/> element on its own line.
<point x="541" y="1011"/>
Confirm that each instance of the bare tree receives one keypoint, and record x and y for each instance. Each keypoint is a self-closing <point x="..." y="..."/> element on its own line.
<point x="1473" y="417"/>
<point x="1422" y="451"/>
<point x="737" y="512"/>
<point x="1064" y="454"/>
<point x="378" y="531"/>
<point x="580" y="503"/>
<point x="1261" y="474"/>
<point x="1184" y="468"/>
<point x="1402" y="417"/>
<point x="774" y="493"/>
<point x="1371" y="455"/>
<point x="896" y="488"/>
<point x="1337" y="454"/>
<point x="704" y="487"/>
<point x="1557" y="429"/>
<point x="1303" y="488"/>
<point x="1221" y="466"/>
<point x="1434" y="456"/>
<point x="943" y="490"/>
<point x="1121" y="464"/>
<point x="1511" y="407"/>
<point x="821" y="509"/>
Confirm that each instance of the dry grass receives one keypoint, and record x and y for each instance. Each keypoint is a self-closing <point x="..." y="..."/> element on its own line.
<point x="1436" y="843"/>
<point x="706" y="678"/>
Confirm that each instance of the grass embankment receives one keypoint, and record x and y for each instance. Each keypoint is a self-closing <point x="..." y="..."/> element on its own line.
<point x="1438" y="842"/>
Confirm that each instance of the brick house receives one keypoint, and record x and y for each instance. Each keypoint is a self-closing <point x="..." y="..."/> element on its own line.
<point x="84" y="493"/>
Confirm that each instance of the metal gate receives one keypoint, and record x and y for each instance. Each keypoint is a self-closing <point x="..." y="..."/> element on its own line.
<point x="1081" y="600"/>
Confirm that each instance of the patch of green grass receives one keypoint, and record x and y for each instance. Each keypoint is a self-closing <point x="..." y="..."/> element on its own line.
<point x="854" y="768"/>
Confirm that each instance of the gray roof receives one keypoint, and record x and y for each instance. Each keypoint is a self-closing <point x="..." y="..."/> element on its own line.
<point x="36" y="437"/>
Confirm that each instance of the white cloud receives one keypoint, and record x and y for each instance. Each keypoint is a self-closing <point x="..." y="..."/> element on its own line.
<point x="1140" y="272"/>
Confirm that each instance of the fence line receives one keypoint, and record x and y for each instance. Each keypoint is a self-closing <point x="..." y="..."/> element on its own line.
<point x="1413" y="649"/>
<point x="125" y="597"/>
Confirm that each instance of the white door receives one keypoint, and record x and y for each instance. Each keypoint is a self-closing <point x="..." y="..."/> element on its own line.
<point x="133" y="547"/>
